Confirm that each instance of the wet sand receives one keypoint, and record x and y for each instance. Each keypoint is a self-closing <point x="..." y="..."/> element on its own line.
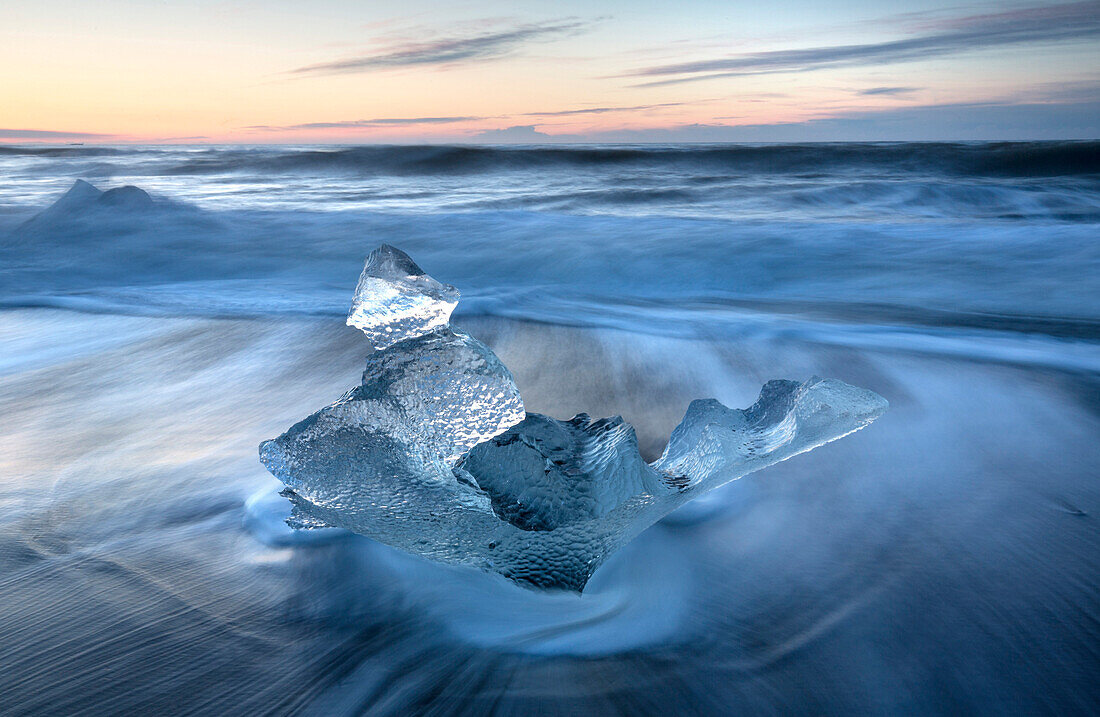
<point x="945" y="559"/>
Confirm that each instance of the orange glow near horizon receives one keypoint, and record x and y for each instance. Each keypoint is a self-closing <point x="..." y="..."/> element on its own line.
<point x="210" y="72"/>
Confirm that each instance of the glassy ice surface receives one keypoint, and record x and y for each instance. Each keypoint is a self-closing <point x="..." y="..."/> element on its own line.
<point x="714" y="444"/>
<point x="395" y="300"/>
<point x="450" y="388"/>
<point x="434" y="454"/>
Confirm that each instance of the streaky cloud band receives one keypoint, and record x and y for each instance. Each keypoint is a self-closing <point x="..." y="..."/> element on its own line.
<point x="1045" y="24"/>
<point x="446" y="51"/>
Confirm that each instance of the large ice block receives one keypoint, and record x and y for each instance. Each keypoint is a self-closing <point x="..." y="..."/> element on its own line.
<point x="434" y="454"/>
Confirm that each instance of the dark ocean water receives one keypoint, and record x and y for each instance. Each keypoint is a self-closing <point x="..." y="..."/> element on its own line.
<point x="950" y="239"/>
<point x="944" y="559"/>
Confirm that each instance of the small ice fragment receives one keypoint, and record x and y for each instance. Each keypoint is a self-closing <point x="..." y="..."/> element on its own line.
<point x="714" y="444"/>
<point x="395" y="300"/>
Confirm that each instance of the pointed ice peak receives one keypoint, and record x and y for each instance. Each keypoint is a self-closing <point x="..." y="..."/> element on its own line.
<point x="388" y="260"/>
<point x="82" y="194"/>
<point x="82" y="190"/>
<point x="395" y="300"/>
<point x="70" y="206"/>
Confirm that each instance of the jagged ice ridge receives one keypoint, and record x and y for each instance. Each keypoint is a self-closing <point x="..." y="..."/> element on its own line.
<point x="434" y="454"/>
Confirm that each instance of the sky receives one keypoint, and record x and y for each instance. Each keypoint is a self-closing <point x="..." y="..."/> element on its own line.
<point x="359" y="71"/>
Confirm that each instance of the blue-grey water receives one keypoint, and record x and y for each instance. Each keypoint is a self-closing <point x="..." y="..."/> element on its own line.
<point x="943" y="560"/>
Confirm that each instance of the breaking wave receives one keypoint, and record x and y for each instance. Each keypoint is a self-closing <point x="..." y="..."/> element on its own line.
<point x="984" y="159"/>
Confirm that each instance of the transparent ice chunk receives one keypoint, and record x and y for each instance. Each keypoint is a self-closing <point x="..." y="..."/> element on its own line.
<point x="451" y="388"/>
<point x="395" y="300"/>
<point x="714" y="444"/>
<point x="434" y="454"/>
<point x="358" y="464"/>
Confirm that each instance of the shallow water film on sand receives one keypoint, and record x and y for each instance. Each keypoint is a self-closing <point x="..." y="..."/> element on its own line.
<point x="942" y="561"/>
